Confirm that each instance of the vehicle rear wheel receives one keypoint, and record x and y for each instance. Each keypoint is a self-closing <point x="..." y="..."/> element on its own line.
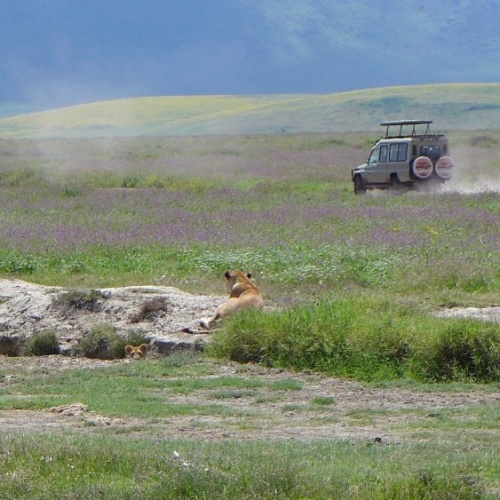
<point x="359" y="187"/>
<point x="422" y="167"/>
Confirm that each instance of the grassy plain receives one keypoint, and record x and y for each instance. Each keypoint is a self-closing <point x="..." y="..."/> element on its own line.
<point x="123" y="211"/>
<point x="453" y="106"/>
<point x="179" y="211"/>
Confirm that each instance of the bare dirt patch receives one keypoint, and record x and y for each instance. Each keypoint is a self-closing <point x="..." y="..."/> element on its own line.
<point x="319" y="407"/>
<point x="483" y="313"/>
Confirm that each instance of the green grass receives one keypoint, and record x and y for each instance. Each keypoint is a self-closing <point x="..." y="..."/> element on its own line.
<point x="366" y="337"/>
<point x="146" y="393"/>
<point x="350" y="282"/>
<point x="323" y="401"/>
<point x="143" y="394"/>
<point x="437" y="453"/>
<point x="106" y="467"/>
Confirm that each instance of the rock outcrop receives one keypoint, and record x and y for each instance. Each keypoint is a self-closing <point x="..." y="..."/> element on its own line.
<point x="28" y="308"/>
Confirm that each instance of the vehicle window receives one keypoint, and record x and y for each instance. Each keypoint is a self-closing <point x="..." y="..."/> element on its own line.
<point x="383" y="153"/>
<point x="403" y="152"/>
<point x="432" y="152"/>
<point x="398" y="152"/>
<point x="393" y="153"/>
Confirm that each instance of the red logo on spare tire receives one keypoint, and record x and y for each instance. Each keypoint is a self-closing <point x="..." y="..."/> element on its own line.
<point x="422" y="167"/>
<point x="444" y="167"/>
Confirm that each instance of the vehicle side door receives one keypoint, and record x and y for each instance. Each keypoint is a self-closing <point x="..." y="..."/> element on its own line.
<point x="380" y="172"/>
<point x="398" y="161"/>
<point x="372" y="166"/>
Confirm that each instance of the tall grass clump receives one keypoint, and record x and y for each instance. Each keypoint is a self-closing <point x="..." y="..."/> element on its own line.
<point x="457" y="349"/>
<point x="41" y="344"/>
<point x="104" y="342"/>
<point x="367" y="338"/>
<point x="25" y="176"/>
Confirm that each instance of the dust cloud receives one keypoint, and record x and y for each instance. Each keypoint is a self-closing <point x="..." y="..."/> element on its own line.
<point x="477" y="170"/>
<point x="472" y="186"/>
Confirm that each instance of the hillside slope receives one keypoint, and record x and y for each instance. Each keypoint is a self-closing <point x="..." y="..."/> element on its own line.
<point x="451" y="107"/>
<point x="58" y="53"/>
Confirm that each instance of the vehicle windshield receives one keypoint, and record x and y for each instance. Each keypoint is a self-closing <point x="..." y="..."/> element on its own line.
<point x="373" y="157"/>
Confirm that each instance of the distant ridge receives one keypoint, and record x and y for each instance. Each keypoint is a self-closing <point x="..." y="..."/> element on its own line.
<point x="450" y="106"/>
<point x="59" y="53"/>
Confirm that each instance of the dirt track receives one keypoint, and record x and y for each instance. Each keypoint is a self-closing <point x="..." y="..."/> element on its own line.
<point x="355" y="411"/>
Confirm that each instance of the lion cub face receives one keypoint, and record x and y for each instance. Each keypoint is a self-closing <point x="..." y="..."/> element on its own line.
<point x="136" y="352"/>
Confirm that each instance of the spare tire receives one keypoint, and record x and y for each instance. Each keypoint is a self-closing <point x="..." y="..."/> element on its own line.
<point x="422" y="167"/>
<point x="445" y="167"/>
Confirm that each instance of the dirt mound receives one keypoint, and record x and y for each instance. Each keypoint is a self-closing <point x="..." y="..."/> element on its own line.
<point x="28" y="308"/>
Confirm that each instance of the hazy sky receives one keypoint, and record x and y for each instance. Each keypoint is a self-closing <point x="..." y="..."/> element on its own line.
<point x="59" y="52"/>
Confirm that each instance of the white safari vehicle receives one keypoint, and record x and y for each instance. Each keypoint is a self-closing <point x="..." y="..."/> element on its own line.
<point x="406" y="156"/>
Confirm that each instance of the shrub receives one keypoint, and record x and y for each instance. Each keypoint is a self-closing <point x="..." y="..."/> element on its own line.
<point x="458" y="349"/>
<point x="10" y="345"/>
<point x="150" y="309"/>
<point x="368" y="338"/>
<point x="344" y="337"/>
<point x="79" y="299"/>
<point x="103" y="342"/>
<point x="41" y="344"/>
<point x="99" y="342"/>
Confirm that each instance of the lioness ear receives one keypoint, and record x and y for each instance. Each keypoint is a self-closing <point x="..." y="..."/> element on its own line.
<point x="128" y="349"/>
<point x="227" y="274"/>
<point x="143" y="348"/>
<point x="249" y="275"/>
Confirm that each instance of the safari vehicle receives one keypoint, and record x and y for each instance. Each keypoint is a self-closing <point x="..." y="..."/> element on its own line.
<point x="405" y="157"/>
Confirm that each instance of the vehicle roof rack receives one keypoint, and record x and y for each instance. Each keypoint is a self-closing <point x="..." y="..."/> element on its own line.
<point x="402" y="123"/>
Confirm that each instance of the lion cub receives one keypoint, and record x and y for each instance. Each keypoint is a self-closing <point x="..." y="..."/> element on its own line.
<point x="136" y="352"/>
<point x="243" y="294"/>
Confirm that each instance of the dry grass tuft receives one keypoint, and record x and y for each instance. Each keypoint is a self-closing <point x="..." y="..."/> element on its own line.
<point x="150" y="310"/>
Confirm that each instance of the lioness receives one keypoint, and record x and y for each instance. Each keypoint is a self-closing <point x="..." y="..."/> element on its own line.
<point x="136" y="352"/>
<point x="243" y="294"/>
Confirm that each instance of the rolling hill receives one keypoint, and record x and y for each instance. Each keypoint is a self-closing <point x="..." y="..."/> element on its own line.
<point x="450" y="106"/>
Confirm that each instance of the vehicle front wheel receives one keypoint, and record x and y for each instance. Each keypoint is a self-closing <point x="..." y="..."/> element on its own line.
<point x="359" y="187"/>
<point x="395" y="184"/>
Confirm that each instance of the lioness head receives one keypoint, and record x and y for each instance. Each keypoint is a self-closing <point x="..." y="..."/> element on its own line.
<point x="233" y="277"/>
<point x="136" y="352"/>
